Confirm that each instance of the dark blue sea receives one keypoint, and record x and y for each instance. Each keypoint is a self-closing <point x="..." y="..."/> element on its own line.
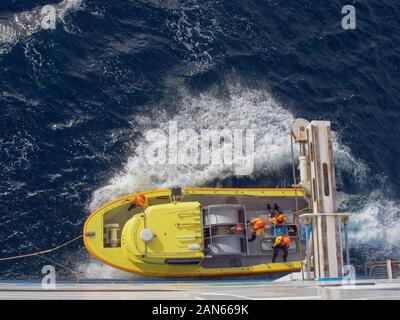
<point x="76" y="101"/>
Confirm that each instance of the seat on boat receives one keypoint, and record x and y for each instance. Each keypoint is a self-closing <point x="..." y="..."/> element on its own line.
<point x="218" y="221"/>
<point x="227" y="245"/>
<point x="223" y="214"/>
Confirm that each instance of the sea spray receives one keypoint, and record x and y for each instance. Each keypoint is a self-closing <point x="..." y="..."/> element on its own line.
<point x="21" y="25"/>
<point x="241" y="108"/>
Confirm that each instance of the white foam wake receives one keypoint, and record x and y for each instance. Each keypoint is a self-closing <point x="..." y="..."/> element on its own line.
<point x="375" y="220"/>
<point x="240" y="108"/>
<point x="97" y="270"/>
<point x="21" y="25"/>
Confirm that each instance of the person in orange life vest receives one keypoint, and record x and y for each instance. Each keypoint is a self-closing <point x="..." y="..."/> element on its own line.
<point x="279" y="224"/>
<point x="281" y="242"/>
<point x="140" y="201"/>
<point x="257" y="226"/>
<point x="279" y="219"/>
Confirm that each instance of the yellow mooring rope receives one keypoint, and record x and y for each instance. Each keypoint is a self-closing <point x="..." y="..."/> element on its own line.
<point x="41" y="252"/>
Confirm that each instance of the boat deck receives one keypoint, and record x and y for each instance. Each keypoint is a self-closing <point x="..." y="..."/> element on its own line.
<point x="205" y="290"/>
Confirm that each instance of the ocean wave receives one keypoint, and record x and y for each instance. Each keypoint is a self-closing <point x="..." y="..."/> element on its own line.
<point x="21" y="25"/>
<point x="374" y="219"/>
<point x="196" y="30"/>
<point x="67" y="95"/>
<point x="240" y="108"/>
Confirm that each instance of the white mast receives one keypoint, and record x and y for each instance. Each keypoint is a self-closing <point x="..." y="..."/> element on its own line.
<point x="317" y="176"/>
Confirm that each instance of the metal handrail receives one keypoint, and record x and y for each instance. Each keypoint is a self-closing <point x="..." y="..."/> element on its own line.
<point x="333" y="214"/>
<point x="344" y="219"/>
<point x="370" y="266"/>
<point x="381" y="262"/>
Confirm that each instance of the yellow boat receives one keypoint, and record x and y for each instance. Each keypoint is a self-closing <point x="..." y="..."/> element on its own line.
<point x="188" y="232"/>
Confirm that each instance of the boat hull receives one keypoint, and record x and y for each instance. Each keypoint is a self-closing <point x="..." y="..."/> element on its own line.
<point x="118" y="257"/>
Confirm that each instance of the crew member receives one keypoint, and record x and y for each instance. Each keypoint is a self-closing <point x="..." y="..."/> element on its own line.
<point x="279" y="224"/>
<point x="257" y="226"/>
<point x="281" y="242"/>
<point x="140" y="201"/>
<point x="279" y="219"/>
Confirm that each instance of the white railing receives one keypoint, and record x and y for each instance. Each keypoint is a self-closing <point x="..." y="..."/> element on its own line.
<point x="309" y="217"/>
<point x="388" y="269"/>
